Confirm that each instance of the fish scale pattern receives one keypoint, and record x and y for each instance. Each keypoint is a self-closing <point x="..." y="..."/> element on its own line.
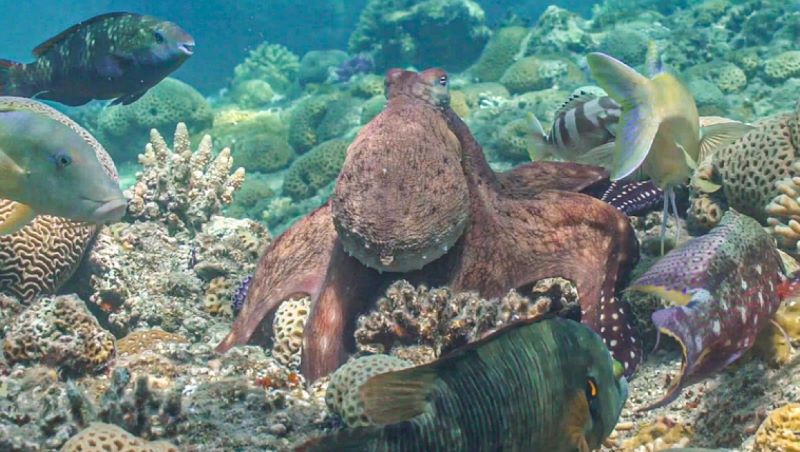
<point x="40" y="257"/>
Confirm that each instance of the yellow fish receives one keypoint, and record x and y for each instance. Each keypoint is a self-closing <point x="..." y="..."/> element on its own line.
<point x="659" y="130"/>
<point x="50" y="166"/>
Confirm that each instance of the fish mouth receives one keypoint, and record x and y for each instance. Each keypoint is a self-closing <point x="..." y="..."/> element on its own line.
<point x="110" y="211"/>
<point x="187" y="48"/>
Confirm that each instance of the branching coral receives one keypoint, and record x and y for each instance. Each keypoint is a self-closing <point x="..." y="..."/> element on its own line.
<point x="272" y="63"/>
<point x="179" y="187"/>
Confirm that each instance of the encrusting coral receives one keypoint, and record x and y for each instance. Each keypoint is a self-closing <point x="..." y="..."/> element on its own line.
<point x="287" y="328"/>
<point x="100" y="436"/>
<point x="780" y="431"/>
<point x="179" y="187"/>
<point x="315" y="169"/>
<point x="60" y="332"/>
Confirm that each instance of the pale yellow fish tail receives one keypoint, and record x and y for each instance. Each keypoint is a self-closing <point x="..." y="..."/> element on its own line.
<point x="639" y="122"/>
<point x="538" y="147"/>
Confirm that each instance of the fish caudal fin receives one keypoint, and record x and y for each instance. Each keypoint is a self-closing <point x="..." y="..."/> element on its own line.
<point x="6" y="87"/>
<point x="638" y="124"/>
<point x="20" y="216"/>
<point x="538" y="148"/>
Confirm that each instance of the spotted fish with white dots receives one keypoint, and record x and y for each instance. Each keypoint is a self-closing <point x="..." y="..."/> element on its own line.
<point x="726" y="286"/>
<point x="111" y="56"/>
<point x="49" y="168"/>
<point x="544" y="383"/>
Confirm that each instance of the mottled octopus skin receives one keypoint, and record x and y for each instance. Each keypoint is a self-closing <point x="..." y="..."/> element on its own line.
<point x="726" y="286"/>
<point x="519" y="231"/>
<point x="43" y="255"/>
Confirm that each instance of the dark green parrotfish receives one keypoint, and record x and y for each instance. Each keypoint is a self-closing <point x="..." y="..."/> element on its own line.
<point x="112" y="56"/>
<point x="542" y="384"/>
<point x="727" y="285"/>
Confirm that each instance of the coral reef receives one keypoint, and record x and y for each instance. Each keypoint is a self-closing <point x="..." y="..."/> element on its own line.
<point x="287" y="331"/>
<point x="783" y="66"/>
<point x="398" y="33"/>
<point x="272" y="63"/>
<point x="316" y="66"/>
<point x="60" y="332"/>
<point x="559" y="31"/>
<point x="443" y="320"/>
<point x="180" y="187"/>
<point x="354" y="65"/>
<point x="535" y="73"/>
<point x="263" y="153"/>
<point x="125" y="128"/>
<point x="107" y="437"/>
<point x="342" y="396"/>
<point x="780" y="430"/>
<point x="500" y="52"/>
<point x="306" y="117"/>
<point x="315" y="169"/>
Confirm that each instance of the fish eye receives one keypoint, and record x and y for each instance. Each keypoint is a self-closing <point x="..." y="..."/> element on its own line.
<point x="443" y="80"/>
<point x="61" y="159"/>
<point x="158" y="36"/>
<point x="591" y="388"/>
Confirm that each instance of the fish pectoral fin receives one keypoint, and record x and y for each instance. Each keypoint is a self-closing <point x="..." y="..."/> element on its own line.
<point x="397" y="396"/>
<point x="704" y="185"/>
<point x="128" y="99"/>
<point x="638" y="124"/>
<point x="688" y="158"/>
<point x="602" y="156"/>
<point x="716" y="136"/>
<point x="20" y="216"/>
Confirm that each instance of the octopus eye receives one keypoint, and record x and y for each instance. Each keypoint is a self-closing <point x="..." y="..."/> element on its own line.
<point x="443" y="80"/>
<point x="591" y="388"/>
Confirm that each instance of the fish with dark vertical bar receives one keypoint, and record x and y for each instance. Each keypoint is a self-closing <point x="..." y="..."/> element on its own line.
<point x="545" y="383"/>
<point x="112" y="56"/>
<point x="726" y="286"/>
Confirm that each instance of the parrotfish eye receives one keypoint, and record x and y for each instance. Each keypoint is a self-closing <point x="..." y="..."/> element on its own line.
<point x="62" y="159"/>
<point x="443" y="80"/>
<point x="591" y="389"/>
<point x="158" y="37"/>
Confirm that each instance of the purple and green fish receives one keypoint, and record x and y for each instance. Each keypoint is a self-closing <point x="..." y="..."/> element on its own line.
<point x="111" y="56"/>
<point x="726" y="286"/>
<point x="544" y="383"/>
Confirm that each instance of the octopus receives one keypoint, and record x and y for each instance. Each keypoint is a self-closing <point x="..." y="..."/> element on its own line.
<point x="417" y="200"/>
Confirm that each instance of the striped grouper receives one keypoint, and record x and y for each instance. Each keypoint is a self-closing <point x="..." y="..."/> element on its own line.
<point x="545" y="383"/>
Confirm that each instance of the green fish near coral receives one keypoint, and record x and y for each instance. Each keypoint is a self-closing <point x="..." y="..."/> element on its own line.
<point x="49" y="167"/>
<point x="726" y="286"/>
<point x="112" y="56"/>
<point x="659" y="129"/>
<point x="539" y="384"/>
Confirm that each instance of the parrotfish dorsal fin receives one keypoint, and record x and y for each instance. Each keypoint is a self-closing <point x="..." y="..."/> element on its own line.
<point x="398" y="396"/>
<point x="42" y="48"/>
<point x="638" y="124"/>
<point x="575" y="99"/>
<point x="20" y="216"/>
<point x="715" y="136"/>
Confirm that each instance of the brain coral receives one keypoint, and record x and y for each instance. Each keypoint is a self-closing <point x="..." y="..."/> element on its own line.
<point x="780" y="431"/>
<point x="126" y="128"/>
<point x="305" y="119"/>
<point x="316" y="169"/>
<point x="61" y="332"/>
<point x="783" y="66"/>
<point x="263" y="153"/>
<point x="342" y="396"/>
<point x="99" y="436"/>
<point x="273" y="63"/>
<point x="625" y="45"/>
<point x="499" y="53"/>
<point x="43" y="255"/>
<point x="729" y="78"/>
<point x="445" y="33"/>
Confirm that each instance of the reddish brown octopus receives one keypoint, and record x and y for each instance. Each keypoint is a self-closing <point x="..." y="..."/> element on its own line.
<point x="417" y="200"/>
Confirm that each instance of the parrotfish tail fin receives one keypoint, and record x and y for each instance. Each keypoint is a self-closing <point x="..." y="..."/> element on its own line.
<point x="348" y="440"/>
<point x="538" y="148"/>
<point x="716" y="136"/>
<point x="638" y="124"/>
<point x="7" y="87"/>
<point x="653" y="59"/>
<point x="705" y="348"/>
<point x="633" y="198"/>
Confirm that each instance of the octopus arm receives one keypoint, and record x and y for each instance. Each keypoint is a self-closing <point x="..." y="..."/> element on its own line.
<point x="530" y="179"/>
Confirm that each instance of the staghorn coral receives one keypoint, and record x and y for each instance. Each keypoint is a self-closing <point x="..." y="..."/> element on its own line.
<point x="179" y="187"/>
<point x="782" y="66"/>
<point x="401" y="33"/>
<point x="272" y="63"/>
<point x="342" y="396"/>
<point x="125" y="128"/>
<point x="780" y="431"/>
<point x="110" y="438"/>
<point x="500" y="52"/>
<point x="60" y="332"/>
<point x="287" y="329"/>
<point x="315" y="169"/>
<point x="443" y="320"/>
